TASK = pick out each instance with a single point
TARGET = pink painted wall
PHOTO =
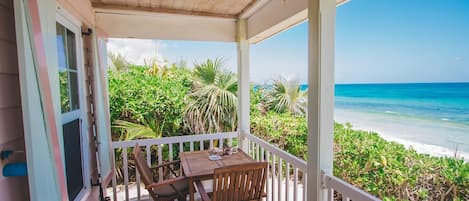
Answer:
(11, 126)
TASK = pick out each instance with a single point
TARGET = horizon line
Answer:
(358, 83)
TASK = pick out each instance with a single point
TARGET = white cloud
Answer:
(137, 50)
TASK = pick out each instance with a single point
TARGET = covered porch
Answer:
(243, 23)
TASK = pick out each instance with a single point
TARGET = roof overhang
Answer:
(265, 18)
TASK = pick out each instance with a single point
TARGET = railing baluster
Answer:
(305, 184)
(273, 177)
(201, 146)
(138, 181)
(126, 172)
(148, 150)
(114, 178)
(254, 145)
(330, 194)
(258, 154)
(191, 144)
(287, 181)
(295, 184)
(211, 143)
(181, 149)
(262, 154)
(279, 178)
(230, 142)
(268, 186)
(160, 161)
(170, 150)
(220, 143)
(251, 149)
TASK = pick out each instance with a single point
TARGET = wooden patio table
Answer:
(197, 166)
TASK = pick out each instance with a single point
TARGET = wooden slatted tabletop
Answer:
(197, 166)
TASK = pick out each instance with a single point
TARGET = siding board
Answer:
(8, 51)
(9, 91)
(11, 124)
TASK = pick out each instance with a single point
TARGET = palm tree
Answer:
(212, 102)
(286, 96)
(118, 61)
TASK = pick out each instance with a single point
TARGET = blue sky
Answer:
(377, 41)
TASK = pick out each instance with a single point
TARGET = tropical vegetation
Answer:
(211, 104)
(168, 100)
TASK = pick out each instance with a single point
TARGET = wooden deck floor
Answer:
(144, 194)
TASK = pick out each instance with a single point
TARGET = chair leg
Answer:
(153, 195)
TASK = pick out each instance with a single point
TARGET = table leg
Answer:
(191, 189)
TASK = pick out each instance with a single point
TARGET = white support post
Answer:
(321, 20)
(243, 84)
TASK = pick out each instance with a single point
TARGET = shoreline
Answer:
(392, 134)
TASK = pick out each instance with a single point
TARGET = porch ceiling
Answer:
(216, 8)
(203, 20)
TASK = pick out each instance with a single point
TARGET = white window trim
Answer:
(70, 22)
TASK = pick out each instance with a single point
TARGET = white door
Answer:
(72, 105)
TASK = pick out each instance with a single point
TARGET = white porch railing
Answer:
(285, 170)
(286, 173)
(345, 190)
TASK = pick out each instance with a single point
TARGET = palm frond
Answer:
(138, 131)
(118, 61)
(286, 96)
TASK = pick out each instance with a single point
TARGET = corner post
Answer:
(243, 84)
(321, 64)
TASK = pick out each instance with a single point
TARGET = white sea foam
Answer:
(415, 135)
(390, 112)
(427, 148)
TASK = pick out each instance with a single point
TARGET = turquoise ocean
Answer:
(430, 117)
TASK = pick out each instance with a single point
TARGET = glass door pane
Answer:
(73, 164)
(67, 60)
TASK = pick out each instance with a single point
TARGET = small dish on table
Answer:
(214, 157)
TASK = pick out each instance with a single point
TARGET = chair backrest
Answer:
(145, 172)
(240, 182)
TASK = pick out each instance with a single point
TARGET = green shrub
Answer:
(392, 172)
(139, 95)
(385, 169)
(286, 131)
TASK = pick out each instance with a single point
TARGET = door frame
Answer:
(71, 23)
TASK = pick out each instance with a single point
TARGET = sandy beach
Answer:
(422, 136)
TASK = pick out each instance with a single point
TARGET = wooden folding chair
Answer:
(244, 182)
(166, 190)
